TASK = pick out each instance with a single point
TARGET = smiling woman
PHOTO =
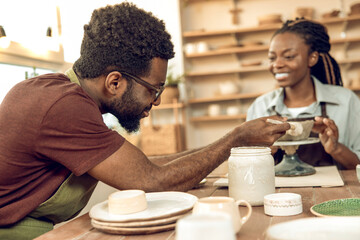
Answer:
(307, 74)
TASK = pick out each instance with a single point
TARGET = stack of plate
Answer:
(164, 209)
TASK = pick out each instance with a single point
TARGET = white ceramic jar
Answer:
(251, 174)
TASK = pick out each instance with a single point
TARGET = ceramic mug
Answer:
(226, 205)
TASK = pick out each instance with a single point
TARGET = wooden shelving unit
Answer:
(223, 61)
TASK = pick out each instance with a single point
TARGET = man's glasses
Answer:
(157, 90)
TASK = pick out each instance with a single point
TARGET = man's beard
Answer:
(127, 111)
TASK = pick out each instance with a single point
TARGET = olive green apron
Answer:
(71, 197)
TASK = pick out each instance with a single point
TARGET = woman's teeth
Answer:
(280, 76)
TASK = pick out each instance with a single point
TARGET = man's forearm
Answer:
(164, 159)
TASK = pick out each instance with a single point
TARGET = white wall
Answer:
(41, 14)
(73, 20)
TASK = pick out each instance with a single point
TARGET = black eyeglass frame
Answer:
(158, 90)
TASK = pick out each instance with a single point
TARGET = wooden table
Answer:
(81, 229)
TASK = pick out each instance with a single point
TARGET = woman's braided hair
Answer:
(315, 35)
(122, 37)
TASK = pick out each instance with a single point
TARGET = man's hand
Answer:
(328, 133)
(258, 132)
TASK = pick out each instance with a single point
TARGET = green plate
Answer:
(338, 207)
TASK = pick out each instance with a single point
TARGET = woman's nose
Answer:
(278, 63)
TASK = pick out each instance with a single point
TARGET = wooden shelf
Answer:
(203, 33)
(349, 60)
(230, 71)
(340, 19)
(270, 27)
(17, 54)
(252, 69)
(218, 118)
(224, 98)
(234, 50)
(258, 48)
(345, 40)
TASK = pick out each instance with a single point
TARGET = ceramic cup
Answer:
(190, 48)
(225, 205)
(202, 47)
(232, 110)
(358, 171)
(228, 87)
(205, 226)
(214, 110)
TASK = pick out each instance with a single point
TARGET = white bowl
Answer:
(307, 126)
(127, 201)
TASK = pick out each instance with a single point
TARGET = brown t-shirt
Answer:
(49, 127)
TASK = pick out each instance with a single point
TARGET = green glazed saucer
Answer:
(338, 207)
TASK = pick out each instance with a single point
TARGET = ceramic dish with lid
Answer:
(283, 204)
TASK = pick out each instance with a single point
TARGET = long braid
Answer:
(315, 35)
(326, 67)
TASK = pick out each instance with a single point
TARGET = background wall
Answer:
(75, 14)
(38, 15)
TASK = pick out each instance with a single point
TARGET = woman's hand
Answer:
(328, 134)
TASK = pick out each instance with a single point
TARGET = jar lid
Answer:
(250, 150)
(282, 204)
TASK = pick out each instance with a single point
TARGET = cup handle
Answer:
(249, 212)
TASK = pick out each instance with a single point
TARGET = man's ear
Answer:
(115, 83)
(313, 58)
